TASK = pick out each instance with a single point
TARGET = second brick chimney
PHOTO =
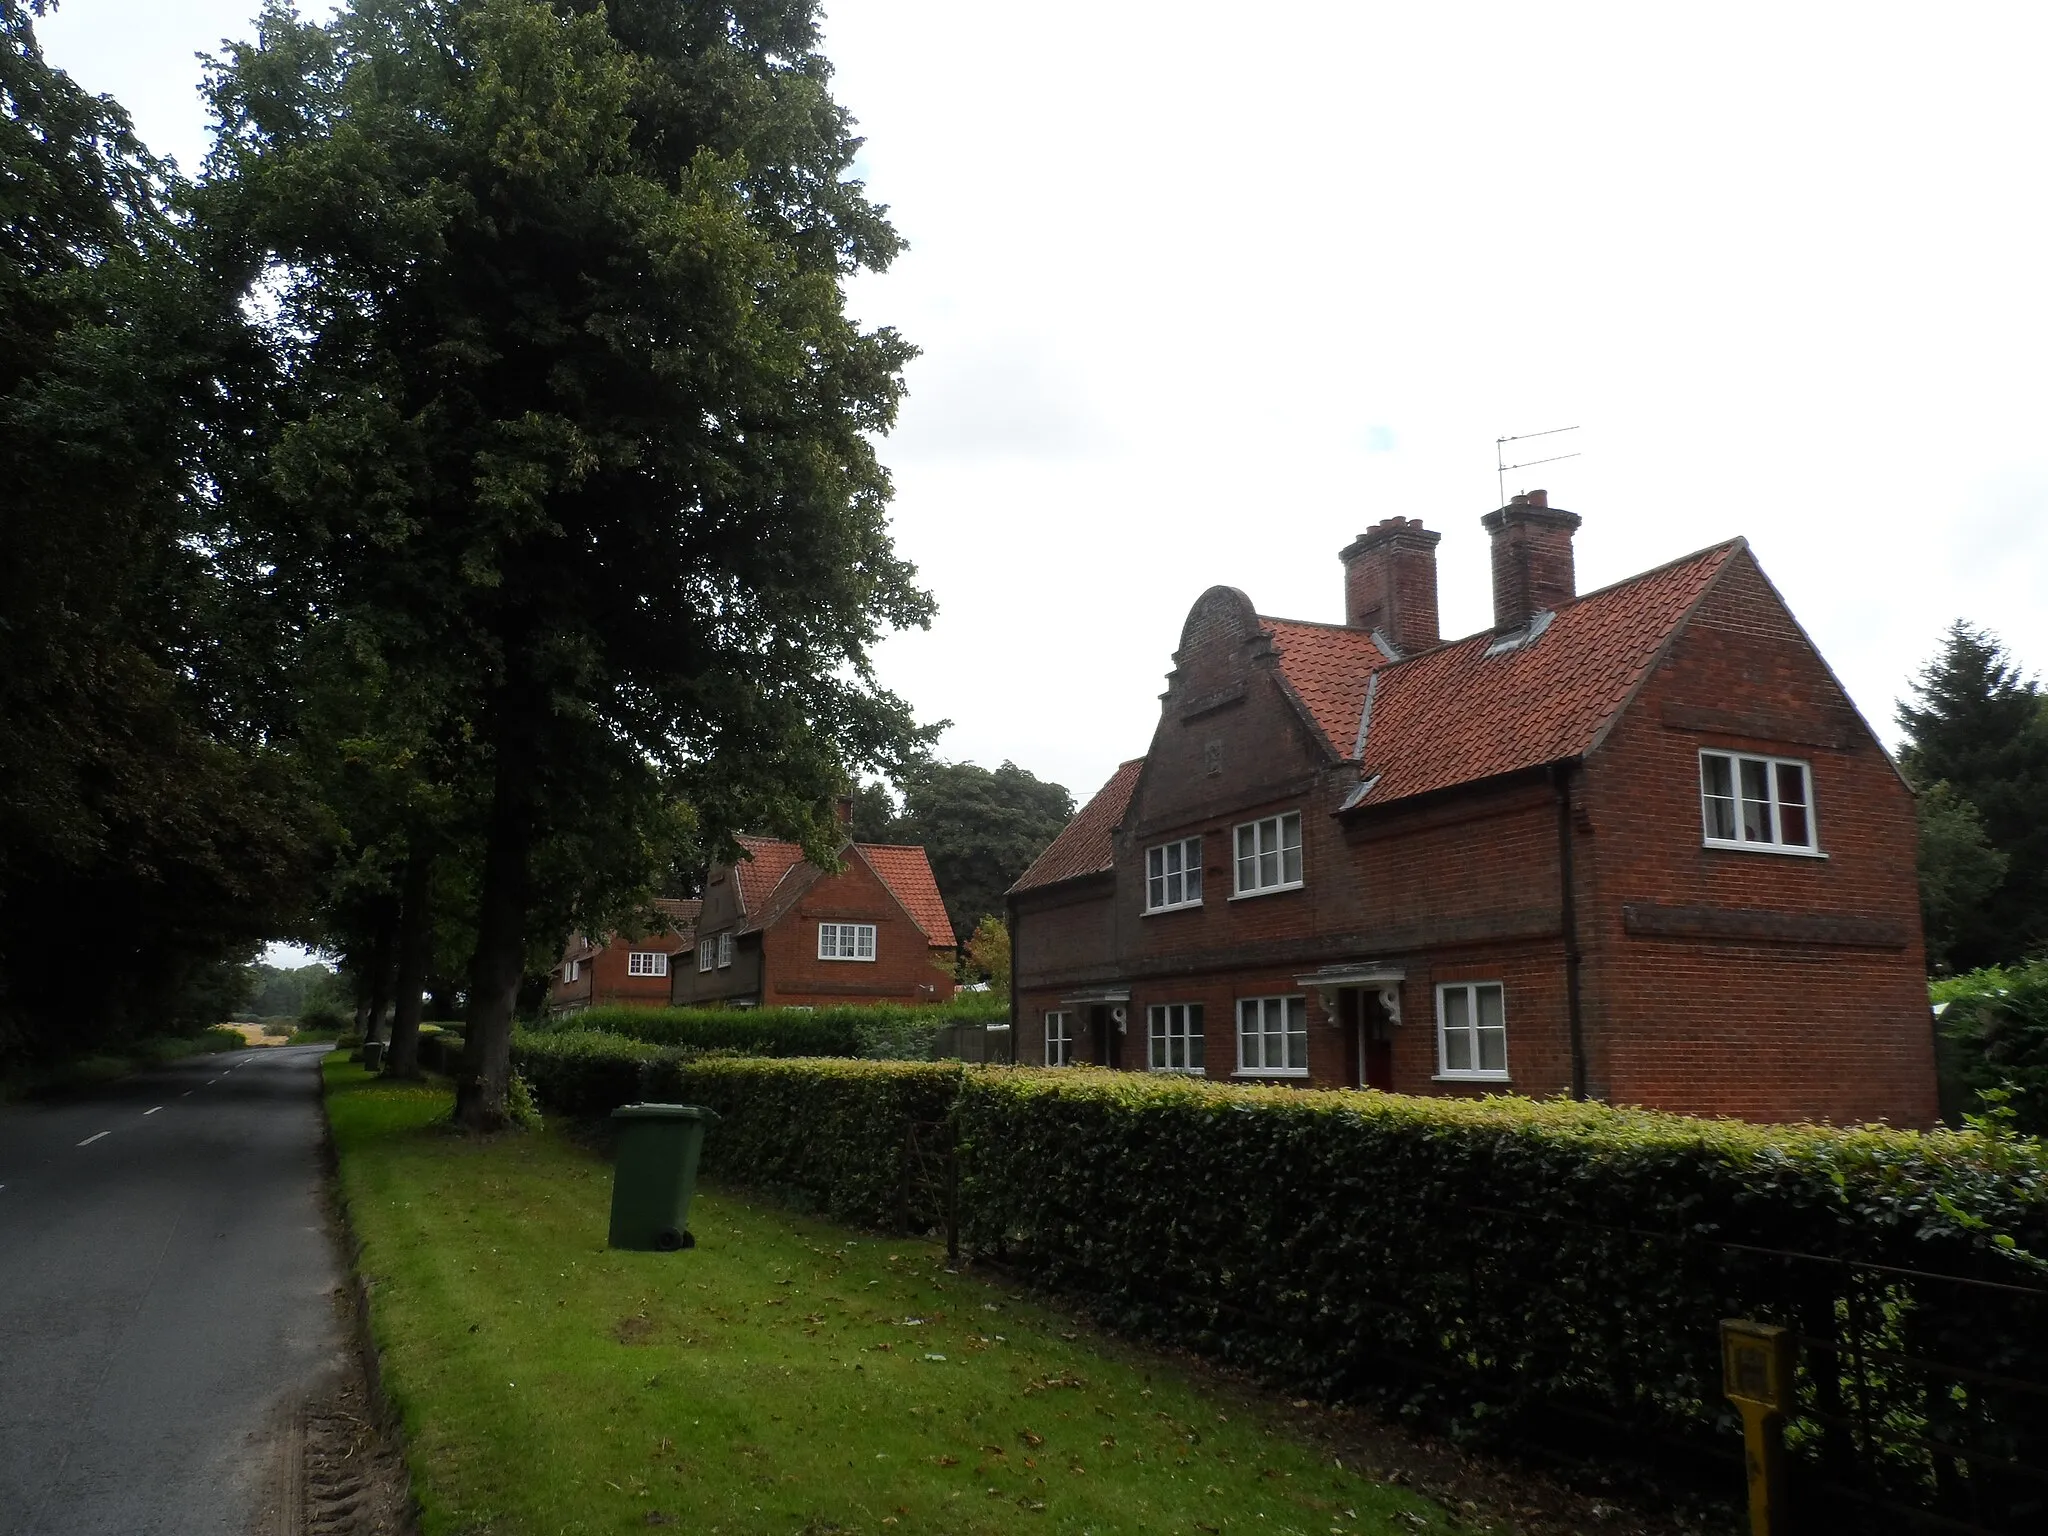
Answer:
(1390, 583)
(1532, 558)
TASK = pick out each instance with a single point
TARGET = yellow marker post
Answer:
(1756, 1376)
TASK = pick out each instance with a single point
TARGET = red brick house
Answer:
(1636, 845)
(617, 970)
(778, 931)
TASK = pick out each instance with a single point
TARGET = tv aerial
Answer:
(1501, 467)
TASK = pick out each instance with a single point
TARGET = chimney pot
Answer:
(1532, 558)
(1390, 583)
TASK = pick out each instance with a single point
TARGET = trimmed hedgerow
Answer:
(845, 1138)
(1550, 1267)
(877, 1030)
(1555, 1271)
(838, 1137)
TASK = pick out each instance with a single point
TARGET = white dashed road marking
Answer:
(152, 1111)
(94, 1137)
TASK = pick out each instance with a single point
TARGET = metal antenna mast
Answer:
(1501, 469)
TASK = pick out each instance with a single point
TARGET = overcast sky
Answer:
(1205, 290)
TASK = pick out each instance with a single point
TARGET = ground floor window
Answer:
(1176, 1037)
(1472, 1029)
(1272, 1036)
(646, 962)
(1059, 1039)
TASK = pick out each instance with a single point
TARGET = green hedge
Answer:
(1995, 1037)
(839, 1137)
(879, 1030)
(1551, 1270)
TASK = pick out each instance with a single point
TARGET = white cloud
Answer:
(1174, 266)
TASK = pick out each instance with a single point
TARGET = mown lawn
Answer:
(785, 1376)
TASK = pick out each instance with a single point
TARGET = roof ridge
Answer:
(1724, 546)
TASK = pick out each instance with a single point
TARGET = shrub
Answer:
(1996, 1025)
(323, 1020)
(1554, 1271)
(879, 1031)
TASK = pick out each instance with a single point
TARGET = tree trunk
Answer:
(500, 961)
(415, 955)
(380, 968)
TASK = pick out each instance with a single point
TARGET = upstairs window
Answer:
(646, 962)
(1272, 1036)
(1269, 854)
(846, 941)
(707, 954)
(1059, 1039)
(724, 950)
(1472, 1030)
(1756, 802)
(1175, 1037)
(571, 969)
(1173, 875)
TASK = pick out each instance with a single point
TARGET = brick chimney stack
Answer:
(1390, 583)
(1532, 558)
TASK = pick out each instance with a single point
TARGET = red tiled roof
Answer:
(1328, 666)
(758, 875)
(1455, 714)
(907, 872)
(1083, 846)
(778, 873)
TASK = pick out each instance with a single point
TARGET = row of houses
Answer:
(1635, 845)
(774, 930)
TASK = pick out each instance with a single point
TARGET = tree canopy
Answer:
(578, 437)
(981, 828)
(1977, 750)
(141, 799)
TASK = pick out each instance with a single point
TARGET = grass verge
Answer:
(785, 1376)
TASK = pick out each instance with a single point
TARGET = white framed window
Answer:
(646, 962)
(1175, 1037)
(1272, 1036)
(724, 950)
(571, 969)
(707, 954)
(1472, 1030)
(1059, 1039)
(846, 941)
(1757, 802)
(1269, 854)
(1173, 875)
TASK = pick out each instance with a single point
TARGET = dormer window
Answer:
(1173, 875)
(1763, 804)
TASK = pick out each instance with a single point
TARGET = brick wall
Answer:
(906, 969)
(1791, 1028)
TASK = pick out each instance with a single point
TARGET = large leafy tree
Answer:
(1977, 748)
(981, 827)
(580, 434)
(141, 801)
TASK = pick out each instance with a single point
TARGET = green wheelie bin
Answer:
(656, 1174)
(373, 1055)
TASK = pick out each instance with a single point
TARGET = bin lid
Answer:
(664, 1112)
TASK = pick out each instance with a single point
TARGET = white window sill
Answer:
(849, 959)
(1178, 906)
(1249, 1072)
(1777, 848)
(1179, 1071)
(1269, 890)
(1471, 1077)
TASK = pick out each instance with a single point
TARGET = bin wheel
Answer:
(669, 1240)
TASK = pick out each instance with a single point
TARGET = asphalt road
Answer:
(167, 1298)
